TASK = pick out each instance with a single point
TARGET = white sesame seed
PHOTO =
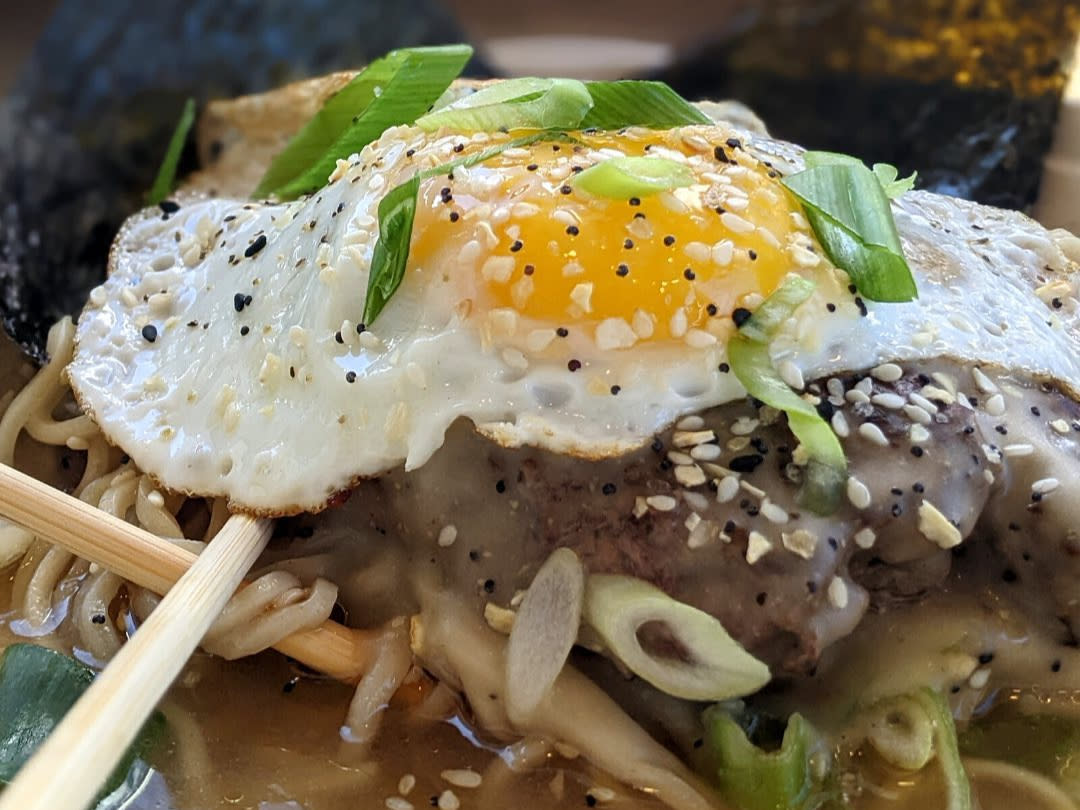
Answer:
(640, 507)
(397, 803)
(1060, 425)
(722, 252)
(582, 295)
(856, 397)
(692, 422)
(865, 385)
(735, 223)
(744, 426)
(865, 537)
(917, 414)
(614, 333)
(697, 251)
(406, 784)
(993, 455)
(679, 323)
(504, 321)
(642, 324)
(917, 434)
(677, 457)
(888, 400)
(757, 546)
(858, 493)
(539, 339)
(1044, 486)
(1018, 449)
(727, 488)
(661, 503)
(602, 794)
(923, 402)
(834, 387)
(447, 535)
(982, 382)
(887, 372)
(695, 500)
(692, 438)
(774, 513)
(693, 520)
(448, 800)
(800, 542)
(750, 489)
(792, 375)
(706, 452)
(937, 528)
(933, 392)
(979, 678)
(840, 425)
(837, 593)
(462, 777)
(995, 405)
(690, 475)
(498, 269)
(700, 339)
(988, 476)
(803, 257)
(872, 433)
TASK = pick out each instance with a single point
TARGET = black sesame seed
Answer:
(572, 230)
(733, 143)
(244, 330)
(615, 389)
(577, 169)
(863, 311)
(741, 315)
(590, 800)
(669, 240)
(985, 658)
(338, 338)
(917, 452)
(239, 302)
(500, 486)
(574, 365)
(290, 685)
(350, 376)
(1055, 666)
(634, 201)
(724, 368)
(1001, 429)
(639, 215)
(360, 329)
(834, 544)
(454, 216)
(745, 464)
(730, 527)
(628, 244)
(918, 487)
(831, 307)
(489, 586)
(657, 445)
(1035, 410)
(255, 247)
(532, 167)
(1055, 303)
(897, 510)
(752, 254)
(474, 555)
(410, 153)
(721, 155)
(608, 489)
(711, 309)
(518, 245)
(622, 270)
(689, 274)
(1009, 575)
(565, 190)
(458, 147)
(529, 270)
(761, 597)
(562, 331)
(149, 333)
(169, 206)
(98, 618)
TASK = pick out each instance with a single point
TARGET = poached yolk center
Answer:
(663, 263)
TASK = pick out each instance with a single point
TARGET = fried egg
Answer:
(225, 352)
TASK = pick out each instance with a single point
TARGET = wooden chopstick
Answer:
(156, 564)
(68, 769)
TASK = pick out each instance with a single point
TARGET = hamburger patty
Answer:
(708, 512)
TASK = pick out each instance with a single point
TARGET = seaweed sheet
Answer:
(86, 124)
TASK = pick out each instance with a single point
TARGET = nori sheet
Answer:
(86, 124)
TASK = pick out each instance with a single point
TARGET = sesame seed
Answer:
(887, 372)
(837, 593)
(622, 270)
(1044, 486)
(917, 414)
(706, 452)
(1060, 426)
(462, 777)
(888, 400)
(774, 513)
(740, 315)
(669, 240)
(872, 433)
(690, 475)
(149, 333)
(858, 493)
(1018, 449)
(935, 527)
(255, 247)
(615, 389)
(628, 244)
(840, 425)
(792, 375)
(573, 365)
(692, 422)
(757, 546)
(398, 803)
(995, 405)
(406, 784)
(448, 800)
(661, 503)
(864, 538)
(735, 223)
(800, 542)
(727, 488)
(447, 535)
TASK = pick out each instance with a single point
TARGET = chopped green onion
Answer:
(752, 778)
(957, 787)
(624, 177)
(639, 103)
(886, 173)
(390, 91)
(748, 354)
(37, 688)
(166, 176)
(849, 211)
(714, 667)
(515, 104)
(397, 210)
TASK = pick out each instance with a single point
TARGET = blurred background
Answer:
(968, 92)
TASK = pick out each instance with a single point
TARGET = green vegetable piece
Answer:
(885, 173)
(957, 787)
(166, 175)
(624, 177)
(527, 103)
(849, 211)
(639, 103)
(390, 91)
(748, 354)
(397, 211)
(754, 779)
(37, 688)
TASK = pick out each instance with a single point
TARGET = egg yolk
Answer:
(663, 263)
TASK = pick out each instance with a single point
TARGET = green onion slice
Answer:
(37, 688)
(166, 176)
(625, 177)
(526, 103)
(848, 209)
(748, 354)
(639, 103)
(397, 211)
(886, 173)
(753, 778)
(390, 91)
